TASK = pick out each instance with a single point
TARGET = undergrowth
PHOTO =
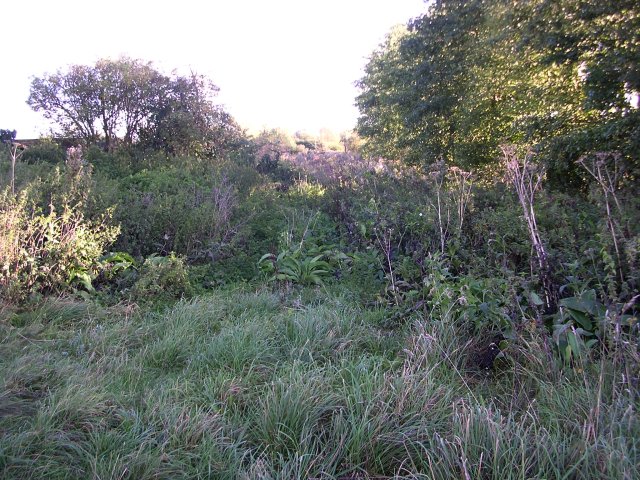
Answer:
(244, 324)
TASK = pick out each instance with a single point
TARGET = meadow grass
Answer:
(306, 384)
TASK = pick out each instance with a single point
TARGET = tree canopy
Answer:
(7, 136)
(559, 76)
(128, 101)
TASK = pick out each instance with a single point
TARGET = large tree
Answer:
(411, 93)
(382, 97)
(130, 101)
(469, 75)
(69, 99)
(98, 102)
(185, 119)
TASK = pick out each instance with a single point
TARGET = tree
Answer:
(129, 101)
(128, 92)
(271, 145)
(185, 119)
(382, 88)
(413, 86)
(559, 76)
(70, 100)
(306, 140)
(7, 136)
(599, 42)
(113, 97)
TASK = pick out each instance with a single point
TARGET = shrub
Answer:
(295, 267)
(162, 277)
(307, 254)
(44, 151)
(48, 252)
(190, 212)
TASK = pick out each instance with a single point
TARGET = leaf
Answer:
(567, 353)
(289, 272)
(572, 340)
(283, 276)
(535, 299)
(580, 333)
(290, 263)
(591, 343)
(320, 264)
(586, 303)
(574, 303)
(559, 331)
(84, 279)
(581, 319)
(117, 258)
(316, 258)
(270, 256)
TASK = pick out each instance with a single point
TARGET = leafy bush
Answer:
(71, 183)
(48, 252)
(190, 212)
(44, 151)
(162, 277)
(306, 252)
(496, 237)
(116, 262)
(295, 267)
(578, 324)
(118, 273)
(583, 322)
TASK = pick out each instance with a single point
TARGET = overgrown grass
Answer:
(304, 384)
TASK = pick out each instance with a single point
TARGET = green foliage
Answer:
(294, 267)
(131, 99)
(583, 322)
(469, 76)
(478, 304)
(162, 278)
(238, 383)
(306, 252)
(48, 252)
(117, 262)
(191, 212)
(578, 324)
(185, 121)
(499, 243)
(424, 275)
(116, 267)
(44, 151)
(270, 146)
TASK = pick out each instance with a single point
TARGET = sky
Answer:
(288, 64)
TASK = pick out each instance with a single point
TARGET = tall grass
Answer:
(243, 384)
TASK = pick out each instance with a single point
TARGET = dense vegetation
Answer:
(559, 77)
(182, 300)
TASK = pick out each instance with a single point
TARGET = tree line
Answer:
(558, 76)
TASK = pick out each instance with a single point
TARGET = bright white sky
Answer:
(279, 63)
